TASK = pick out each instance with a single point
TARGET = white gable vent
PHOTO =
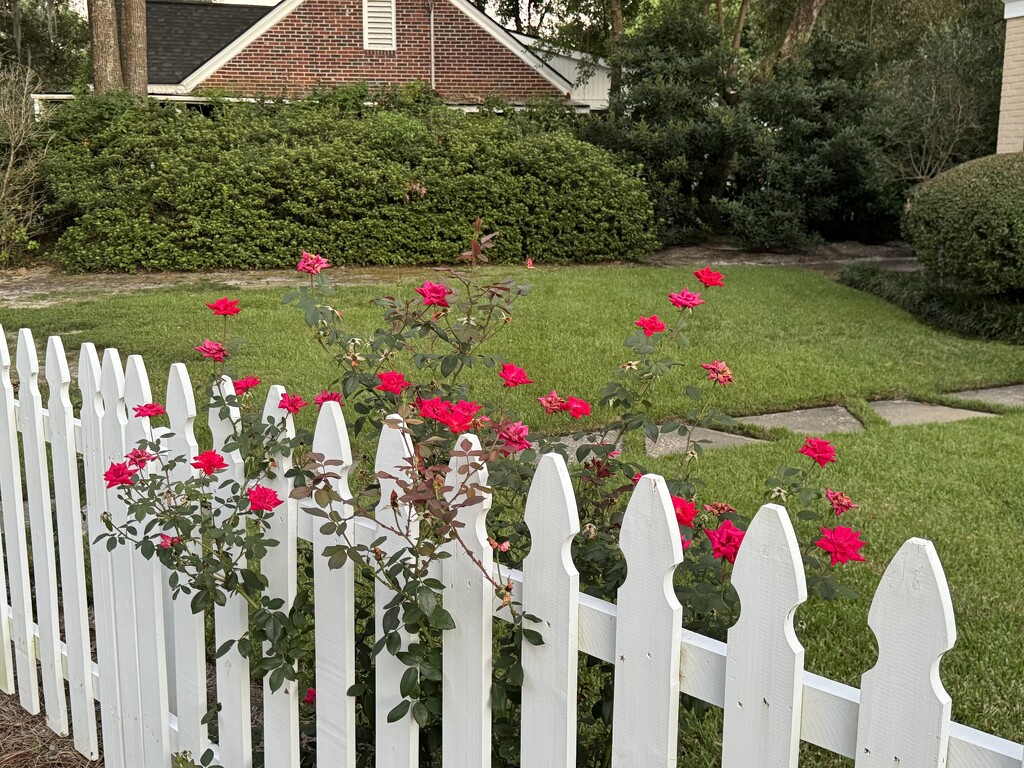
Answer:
(379, 25)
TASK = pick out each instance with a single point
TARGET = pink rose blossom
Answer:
(139, 458)
(244, 385)
(166, 542)
(312, 263)
(513, 437)
(212, 350)
(685, 299)
(840, 501)
(718, 372)
(392, 381)
(434, 294)
(225, 307)
(326, 397)
(209, 462)
(504, 546)
(513, 375)
(650, 325)
(821, 451)
(148, 410)
(292, 403)
(552, 403)
(263, 499)
(119, 474)
(842, 543)
(310, 697)
(726, 540)
(529, 263)
(709, 278)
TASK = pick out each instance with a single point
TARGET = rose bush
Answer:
(210, 532)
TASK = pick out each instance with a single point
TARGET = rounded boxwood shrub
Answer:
(396, 182)
(967, 226)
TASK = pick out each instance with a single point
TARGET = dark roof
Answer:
(182, 36)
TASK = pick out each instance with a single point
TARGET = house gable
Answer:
(304, 44)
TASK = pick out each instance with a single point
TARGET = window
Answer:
(379, 25)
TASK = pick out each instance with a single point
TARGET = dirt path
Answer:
(46, 285)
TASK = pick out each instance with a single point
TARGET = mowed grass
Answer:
(793, 339)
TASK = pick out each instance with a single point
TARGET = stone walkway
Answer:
(836, 419)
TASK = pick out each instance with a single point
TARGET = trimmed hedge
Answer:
(967, 227)
(965, 314)
(399, 182)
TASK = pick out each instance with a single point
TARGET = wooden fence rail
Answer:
(150, 665)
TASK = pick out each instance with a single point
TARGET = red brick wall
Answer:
(320, 43)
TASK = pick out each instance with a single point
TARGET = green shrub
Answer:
(399, 182)
(967, 226)
(984, 317)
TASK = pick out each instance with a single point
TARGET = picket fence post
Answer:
(904, 710)
(40, 514)
(764, 668)
(648, 628)
(231, 620)
(551, 592)
(397, 743)
(100, 558)
(280, 565)
(16, 541)
(467, 658)
(189, 636)
(334, 598)
(71, 541)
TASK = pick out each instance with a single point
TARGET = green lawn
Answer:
(793, 338)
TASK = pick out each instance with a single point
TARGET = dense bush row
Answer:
(144, 186)
(967, 227)
(966, 313)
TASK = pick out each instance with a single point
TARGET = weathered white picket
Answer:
(150, 668)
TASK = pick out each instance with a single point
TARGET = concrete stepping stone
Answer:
(1012, 396)
(906, 412)
(809, 421)
(674, 443)
(572, 444)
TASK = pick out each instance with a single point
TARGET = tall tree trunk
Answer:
(802, 25)
(618, 27)
(133, 46)
(106, 53)
(16, 28)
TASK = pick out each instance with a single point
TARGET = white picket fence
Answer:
(150, 668)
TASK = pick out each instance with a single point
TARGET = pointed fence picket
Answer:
(763, 683)
(649, 623)
(16, 540)
(70, 541)
(231, 620)
(397, 743)
(901, 716)
(334, 598)
(551, 592)
(280, 566)
(40, 513)
(148, 592)
(904, 710)
(467, 661)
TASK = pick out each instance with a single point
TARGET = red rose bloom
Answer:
(650, 325)
(685, 509)
(147, 410)
(718, 372)
(709, 278)
(312, 263)
(225, 307)
(685, 299)
(552, 403)
(726, 540)
(577, 407)
(212, 350)
(310, 697)
(244, 385)
(392, 381)
(840, 501)
(434, 294)
(821, 451)
(292, 403)
(513, 375)
(513, 437)
(166, 542)
(119, 474)
(326, 397)
(263, 499)
(209, 462)
(842, 543)
(139, 458)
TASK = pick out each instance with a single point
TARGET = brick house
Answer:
(287, 48)
(1011, 104)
